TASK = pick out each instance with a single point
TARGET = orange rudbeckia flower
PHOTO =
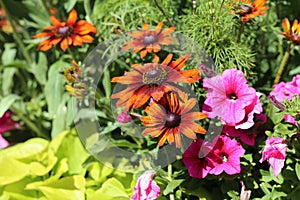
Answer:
(169, 117)
(248, 9)
(148, 41)
(153, 80)
(291, 33)
(68, 33)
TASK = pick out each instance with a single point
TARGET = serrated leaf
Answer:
(6, 102)
(40, 69)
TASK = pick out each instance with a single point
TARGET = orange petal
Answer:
(77, 41)
(43, 34)
(177, 140)
(167, 59)
(72, 18)
(193, 116)
(143, 53)
(180, 62)
(87, 38)
(192, 75)
(145, 27)
(64, 45)
(159, 27)
(286, 26)
(55, 21)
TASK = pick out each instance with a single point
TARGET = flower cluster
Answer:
(152, 88)
(222, 154)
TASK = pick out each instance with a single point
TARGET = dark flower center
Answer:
(224, 157)
(232, 96)
(172, 120)
(246, 9)
(63, 30)
(149, 39)
(155, 76)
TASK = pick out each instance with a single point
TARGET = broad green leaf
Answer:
(72, 149)
(56, 142)
(297, 167)
(69, 5)
(110, 190)
(40, 69)
(12, 170)
(54, 88)
(59, 121)
(172, 185)
(17, 190)
(7, 84)
(6, 102)
(26, 151)
(66, 188)
(9, 53)
(71, 111)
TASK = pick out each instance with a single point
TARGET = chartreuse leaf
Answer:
(6, 102)
(72, 149)
(111, 189)
(17, 190)
(66, 188)
(12, 170)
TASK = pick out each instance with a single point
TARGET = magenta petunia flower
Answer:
(227, 154)
(7, 124)
(274, 152)
(197, 160)
(290, 119)
(146, 188)
(230, 98)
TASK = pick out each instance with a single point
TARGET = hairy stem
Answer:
(282, 64)
(172, 197)
(163, 12)
(240, 32)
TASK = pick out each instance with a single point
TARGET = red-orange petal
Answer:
(64, 44)
(55, 21)
(72, 18)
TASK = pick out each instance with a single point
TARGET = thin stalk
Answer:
(30, 124)
(172, 197)
(221, 7)
(16, 34)
(72, 54)
(282, 64)
(163, 12)
(240, 32)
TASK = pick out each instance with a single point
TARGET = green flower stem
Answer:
(240, 32)
(30, 124)
(221, 6)
(163, 12)
(72, 54)
(16, 34)
(282, 64)
(172, 197)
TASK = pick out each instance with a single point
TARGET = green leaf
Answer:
(8, 76)
(40, 69)
(172, 185)
(69, 5)
(54, 88)
(9, 53)
(111, 189)
(106, 83)
(66, 188)
(6, 102)
(298, 170)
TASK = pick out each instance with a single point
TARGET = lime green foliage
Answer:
(39, 169)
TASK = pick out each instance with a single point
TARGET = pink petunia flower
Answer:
(286, 90)
(146, 188)
(7, 124)
(274, 152)
(230, 98)
(227, 156)
(197, 160)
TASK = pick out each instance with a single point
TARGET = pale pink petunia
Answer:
(230, 98)
(7, 124)
(227, 153)
(274, 152)
(197, 160)
(146, 188)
